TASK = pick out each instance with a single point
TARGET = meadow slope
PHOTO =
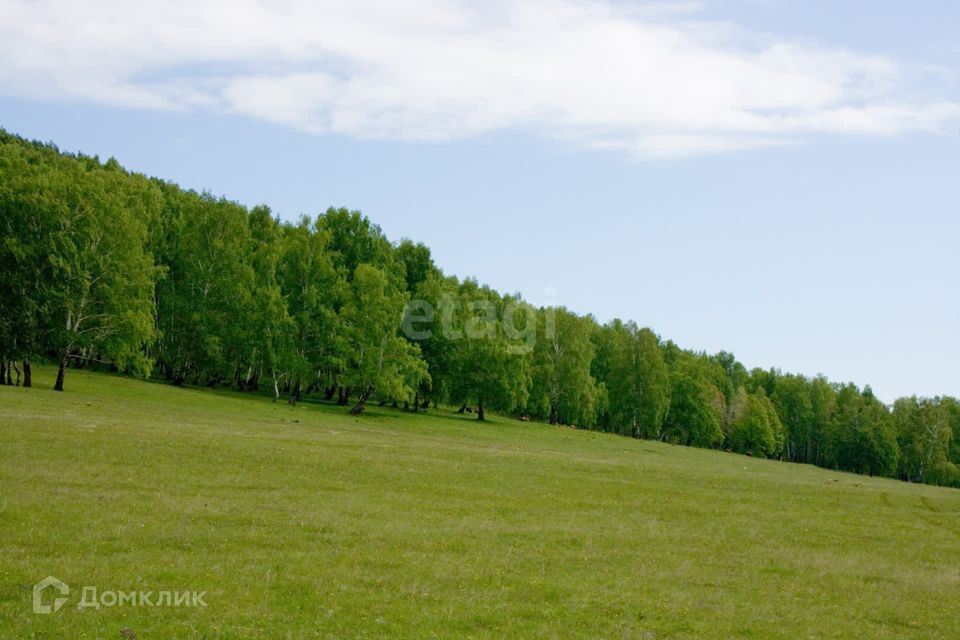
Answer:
(307, 523)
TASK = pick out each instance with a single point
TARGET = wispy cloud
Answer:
(648, 78)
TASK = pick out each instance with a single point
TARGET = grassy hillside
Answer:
(306, 523)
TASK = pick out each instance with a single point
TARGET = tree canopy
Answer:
(101, 267)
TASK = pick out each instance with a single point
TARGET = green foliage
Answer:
(271, 338)
(313, 290)
(793, 398)
(925, 434)
(417, 262)
(206, 300)
(562, 390)
(861, 437)
(696, 405)
(488, 365)
(378, 359)
(104, 267)
(75, 233)
(756, 429)
(354, 240)
(630, 364)
(27, 226)
(422, 325)
(952, 408)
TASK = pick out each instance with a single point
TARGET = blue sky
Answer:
(769, 177)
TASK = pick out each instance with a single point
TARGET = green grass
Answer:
(306, 523)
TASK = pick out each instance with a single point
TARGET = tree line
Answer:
(101, 267)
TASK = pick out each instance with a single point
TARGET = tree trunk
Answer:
(426, 404)
(328, 394)
(361, 402)
(276, 386)
(416, 402)
(27, 373)
(463, 408)
(58, 386)
(3, 370)
(13, 365)
(554, 418)
(480, 415)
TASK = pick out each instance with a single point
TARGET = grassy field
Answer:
(306, 523)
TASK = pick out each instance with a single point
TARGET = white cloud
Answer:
(644, 77)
